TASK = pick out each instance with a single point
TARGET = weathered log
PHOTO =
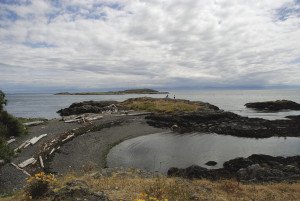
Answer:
(33, 123)
(24, 171)
(68, 137)
(27, 162)
(10, 141)
(41, 162)
(36, 139)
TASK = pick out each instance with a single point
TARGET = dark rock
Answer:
(293, 117)
(256, 168)
(237, 163)
(274, 105)
(211, 163)
(226, 123)
(87, 107)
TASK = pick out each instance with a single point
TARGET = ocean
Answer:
(45, 105)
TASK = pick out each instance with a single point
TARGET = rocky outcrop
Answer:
(88, 107)
(273, 106)
(226, 123)
(256, 168)
(211, 163)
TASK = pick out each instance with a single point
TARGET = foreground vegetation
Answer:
(132, 186)
(9, 127)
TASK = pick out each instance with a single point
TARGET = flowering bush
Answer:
(39, 184)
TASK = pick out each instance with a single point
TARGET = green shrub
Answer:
(2, 100)
(5, 152)
(9, 126)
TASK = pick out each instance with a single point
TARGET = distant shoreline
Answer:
(124, 92)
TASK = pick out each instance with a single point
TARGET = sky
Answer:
(111, 44)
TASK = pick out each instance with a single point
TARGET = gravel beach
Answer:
(84, 150)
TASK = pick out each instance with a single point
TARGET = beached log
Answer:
(24, 171)
(27, 162)
(2, 162)
(68, 137)
(92, 118)
(11, 140)
(26, 143)
(41, 162)
(33, 123)
(51, 152)
(72, 120)
(139, 114)
(36, 139)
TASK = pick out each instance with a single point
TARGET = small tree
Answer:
(2, 100)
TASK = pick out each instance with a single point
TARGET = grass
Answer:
(131, 186)
(161, 105)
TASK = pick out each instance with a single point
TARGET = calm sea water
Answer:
(46, 105)
(160, 151)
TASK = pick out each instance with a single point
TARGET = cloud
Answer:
(153, 43)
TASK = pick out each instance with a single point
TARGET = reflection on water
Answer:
(159, 152)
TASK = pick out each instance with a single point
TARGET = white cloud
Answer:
(133, 43)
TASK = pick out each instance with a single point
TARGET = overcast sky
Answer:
(101, 44)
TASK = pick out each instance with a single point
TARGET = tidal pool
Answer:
(160, 151)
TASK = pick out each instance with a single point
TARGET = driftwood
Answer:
(68, 137)
(41, 162)
(11, 140)
(2, 162)
(139, 114)
(33, 123)
(24, 171)
(81, 118)
(27, 162)
(32, 141)
(51, 152)
(22, 145)
(36, 139)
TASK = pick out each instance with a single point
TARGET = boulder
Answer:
(274, 106)
(211, 163)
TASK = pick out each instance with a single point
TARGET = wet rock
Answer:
(226, 123)
(274, 105)
(256, 168)
(211, 163)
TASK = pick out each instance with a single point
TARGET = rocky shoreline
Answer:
(255, 168)
(226, 123)
(62, 149)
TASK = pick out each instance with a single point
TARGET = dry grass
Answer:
(130, 186)
(161, 105)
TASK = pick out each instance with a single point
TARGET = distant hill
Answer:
(128, 91)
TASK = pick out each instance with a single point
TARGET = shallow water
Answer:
(160, 151)
(46, 105)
